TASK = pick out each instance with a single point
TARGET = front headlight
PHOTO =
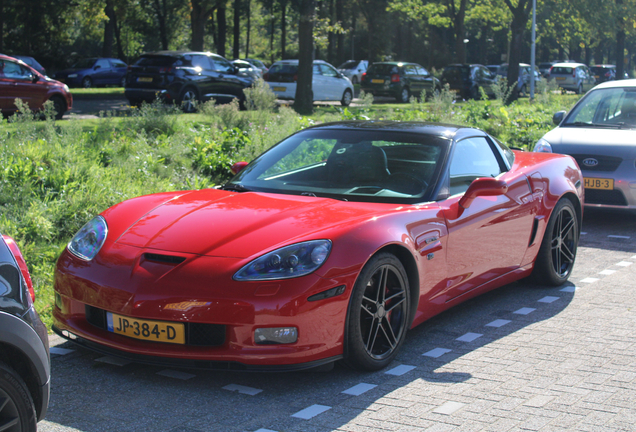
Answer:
(289, 262)
(542, 146)
(89, 239)
(72, 76)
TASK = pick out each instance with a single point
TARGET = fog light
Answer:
(277, 335)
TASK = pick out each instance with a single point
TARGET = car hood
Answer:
(229, 224)
(593, 141)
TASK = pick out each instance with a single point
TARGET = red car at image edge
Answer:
(327, 247)
(20, 81)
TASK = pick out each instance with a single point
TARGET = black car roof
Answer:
(424, 128)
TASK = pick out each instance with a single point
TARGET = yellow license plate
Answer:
(377, 81)
(597, 76)
(599, 183)
(144, 79)
(281, 89)
(560, 78)
(156, 331)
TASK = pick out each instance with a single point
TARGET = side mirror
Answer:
(34, 78)
(558, 116)
(238, 167)
(484, 186)
(97, 67)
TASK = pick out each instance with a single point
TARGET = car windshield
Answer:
(349, 64)
(284, 69)
(383, 69)
(151, 60)
(609, 108)
(352, 165)
(85, 63)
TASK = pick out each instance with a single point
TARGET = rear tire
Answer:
(378, 315)
(188, 100)
(87, 82)
(404, 95)
(17, 411)
(556, 256)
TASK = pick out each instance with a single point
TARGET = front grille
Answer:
(198, 334)
(605, 197)
(605, 163)
(168, 259)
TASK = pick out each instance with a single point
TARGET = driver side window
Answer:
(472, 158)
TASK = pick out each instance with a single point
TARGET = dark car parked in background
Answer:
(18, 80)
(467, 79)
(604, 72)
(523, 82)
(93, 72)
(186, 78)
(24, 346)
(399, 80)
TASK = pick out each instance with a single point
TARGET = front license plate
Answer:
(156, 331)
(599, 183)
(377, 81)
(280, 89)
(144, 79)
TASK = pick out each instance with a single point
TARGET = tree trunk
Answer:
(237, 29)
(120, 48)
(304, 99)
(1, 25)
(200, 11)
(249, 24)
(340, 55)
(222, 22)
(331, 36)
(283, 29)
(272, 31)
(161, 12)
(109, 29)
(620, 54)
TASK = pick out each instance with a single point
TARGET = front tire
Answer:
(87, 82)
(347, 97)
(555, 259)
(59, 106)
(378, 316)
(17, 411)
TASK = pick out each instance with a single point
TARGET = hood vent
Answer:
(167, 259)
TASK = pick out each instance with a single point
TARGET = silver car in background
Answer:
(354, 69)
(572, 76)
(600, 133)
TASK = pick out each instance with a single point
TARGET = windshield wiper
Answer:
(235, 187)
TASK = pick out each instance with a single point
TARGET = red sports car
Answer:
(329, 246)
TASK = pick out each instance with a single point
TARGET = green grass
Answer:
(97, 92)
(55, 176)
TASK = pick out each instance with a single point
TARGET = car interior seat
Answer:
(357, 165)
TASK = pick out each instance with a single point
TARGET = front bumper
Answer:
(238, 307)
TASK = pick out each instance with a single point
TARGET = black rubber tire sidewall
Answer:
(543, 271)
(400, 98)
(182, 95)
(343, 101)
(14, 386)
(357, 357)
(60, 107)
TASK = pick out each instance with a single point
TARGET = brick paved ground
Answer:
(521, 358)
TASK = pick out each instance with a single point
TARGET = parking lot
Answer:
(523, 357)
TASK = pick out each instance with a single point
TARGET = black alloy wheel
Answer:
(188, 100)
(347, 97)
(556, 257)
(404, 95)
(17, 412)
(378, 313)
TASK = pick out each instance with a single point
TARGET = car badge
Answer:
(590, 162)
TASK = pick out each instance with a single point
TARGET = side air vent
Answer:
(168, 259)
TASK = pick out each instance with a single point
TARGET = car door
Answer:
(226, 82)
(412, 79)
(491, 236)
(102, 72)
(334, 82)
(486, 80)
(428, 82)
(16, 81)
(318, 84)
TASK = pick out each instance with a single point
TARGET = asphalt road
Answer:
(520, 358)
